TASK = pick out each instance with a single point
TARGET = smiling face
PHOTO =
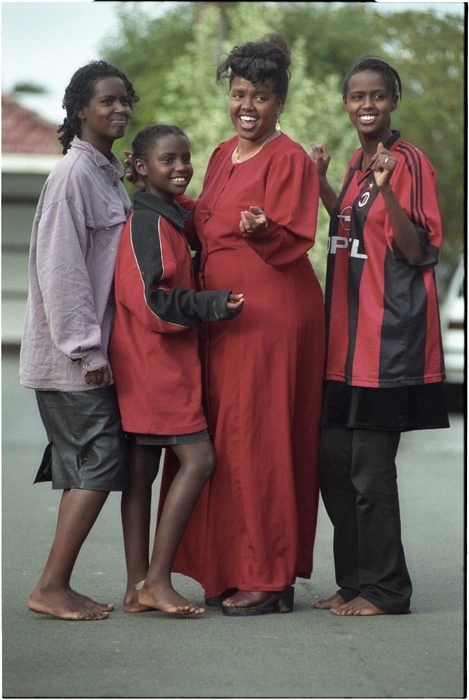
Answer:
(369, 104)
(167, 169)
(254, 108)
(106, 116)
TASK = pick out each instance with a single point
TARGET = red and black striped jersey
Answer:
(382, 313)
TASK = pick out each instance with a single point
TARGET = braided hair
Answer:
(378, 66)
(146, 138)
(259, 61)
(79, 93)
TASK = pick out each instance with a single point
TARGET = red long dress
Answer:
(254, 525)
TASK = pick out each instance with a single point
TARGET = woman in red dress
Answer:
(253, 529)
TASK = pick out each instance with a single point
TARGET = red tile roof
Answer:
(24, 131)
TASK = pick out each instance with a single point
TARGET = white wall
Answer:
(22, 179)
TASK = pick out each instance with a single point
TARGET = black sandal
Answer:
(281, 602)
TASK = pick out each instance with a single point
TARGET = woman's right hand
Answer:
(130, 173)
(321, 157)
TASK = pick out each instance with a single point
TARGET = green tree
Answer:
(31, 88)
(429, 54)
(335, 33)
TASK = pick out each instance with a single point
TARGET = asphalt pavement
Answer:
(306, 654)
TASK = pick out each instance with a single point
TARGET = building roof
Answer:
(24, 131)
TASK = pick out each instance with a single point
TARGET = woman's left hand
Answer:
(252, 221)
(383, 163)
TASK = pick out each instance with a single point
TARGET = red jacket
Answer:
(154, 345)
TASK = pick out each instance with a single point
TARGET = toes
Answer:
(95, 615)
(196, 610)
(106, 607)
(76, 616)
(99, 607)
(91, 614)
(190, 609)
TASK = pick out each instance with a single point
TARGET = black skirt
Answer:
(167, 440)
(403, 408)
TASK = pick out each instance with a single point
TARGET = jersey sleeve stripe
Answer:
(414, 165)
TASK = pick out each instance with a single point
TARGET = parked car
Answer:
(453, 314)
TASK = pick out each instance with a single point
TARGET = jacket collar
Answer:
(174, 212)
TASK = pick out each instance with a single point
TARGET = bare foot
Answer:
(327, 603)
(90, 603)
(248, 599)
(131, 604)
(165, 598)
(357, 606)
(63, 605)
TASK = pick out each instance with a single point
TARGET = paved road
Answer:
(308, 654)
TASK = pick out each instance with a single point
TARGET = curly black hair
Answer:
(379, 66)
(79, 93)
(146, 138)
(259, 61)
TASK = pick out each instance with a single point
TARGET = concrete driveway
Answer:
(308, 654)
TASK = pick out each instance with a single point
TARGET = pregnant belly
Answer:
(224, 271)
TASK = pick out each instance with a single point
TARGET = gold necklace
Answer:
(271, 136)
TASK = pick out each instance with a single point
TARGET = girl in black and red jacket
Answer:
(155, 361)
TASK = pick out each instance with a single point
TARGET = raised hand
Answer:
(321, 157)
(252, 221)
(383, 163)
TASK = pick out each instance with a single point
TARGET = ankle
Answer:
(50, 587)
(158, 581)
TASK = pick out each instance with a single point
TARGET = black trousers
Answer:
(359, 489)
